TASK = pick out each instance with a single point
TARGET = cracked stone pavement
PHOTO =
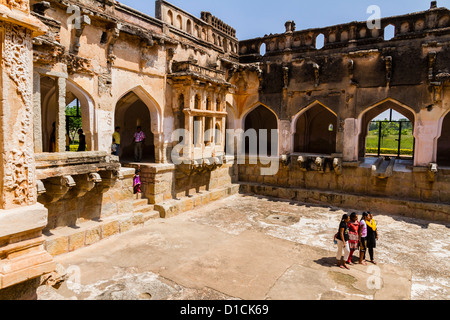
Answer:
(255, 248)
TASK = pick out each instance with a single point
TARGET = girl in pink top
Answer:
(363, 239)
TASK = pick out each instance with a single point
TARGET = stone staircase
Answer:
(86, 233)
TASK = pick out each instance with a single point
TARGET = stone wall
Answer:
(416, 192)
(94, 205)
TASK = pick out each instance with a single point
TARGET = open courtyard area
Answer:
(255, 248)
(199, 150)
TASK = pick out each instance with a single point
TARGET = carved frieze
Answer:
(22, 5)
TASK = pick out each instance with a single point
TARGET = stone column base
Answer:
(22, 253)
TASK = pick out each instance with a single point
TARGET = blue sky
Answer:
(253, 19)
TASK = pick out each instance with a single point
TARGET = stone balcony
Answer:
(181, 69)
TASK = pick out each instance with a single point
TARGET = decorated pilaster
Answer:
(22, 254)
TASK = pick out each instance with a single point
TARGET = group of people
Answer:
(353, 235)
(138, 141)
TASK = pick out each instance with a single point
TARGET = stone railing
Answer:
(189, 67)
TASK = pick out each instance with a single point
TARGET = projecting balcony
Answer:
(182, 69)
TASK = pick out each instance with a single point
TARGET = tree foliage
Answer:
(73, 122)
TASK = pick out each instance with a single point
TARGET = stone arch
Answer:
(314, 129)
(137, 108)
(209, 104)
(253, 107)
(263, 49)
(376, 109)
(320, 41)
(389, 32)
(443, 140)
(179, 22)
(153, 107)
(88, 114)
(189, 27)
(260, 117)
(170, 17)
(49, 107)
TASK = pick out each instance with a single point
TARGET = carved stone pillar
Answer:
(61, 115)
(426, 135)
(284, 137)
(37, 112)
(22, 255)
(350, 143)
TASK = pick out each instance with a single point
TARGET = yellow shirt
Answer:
(372, 224)
(116, 137)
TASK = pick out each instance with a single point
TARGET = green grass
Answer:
(389, 145)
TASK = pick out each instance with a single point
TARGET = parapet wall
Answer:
(207, 29)
(349, 35)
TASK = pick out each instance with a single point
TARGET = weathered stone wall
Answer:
(95, 205)
(356, 72)
(409, 187)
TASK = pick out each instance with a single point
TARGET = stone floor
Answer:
(254, 248)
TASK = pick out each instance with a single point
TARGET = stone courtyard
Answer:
(231, 125)
(252, 247)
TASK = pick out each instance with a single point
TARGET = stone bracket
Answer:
(381, 170)
(320, 164)
(432, 172)
(200, 166)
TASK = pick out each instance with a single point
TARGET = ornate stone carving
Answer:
(19, 176)
(22, 5)
(17, 59)
(19, 165)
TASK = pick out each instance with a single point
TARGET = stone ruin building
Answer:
(178, 71)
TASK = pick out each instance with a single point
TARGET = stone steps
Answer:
(86, 233)
(175, 207)
(382, 205)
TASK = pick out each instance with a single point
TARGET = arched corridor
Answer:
(443, 148)
(263, 121)
(315, 131)
(131, 113)
(78, 112)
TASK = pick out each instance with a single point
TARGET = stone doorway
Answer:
(316, 131)
(261, 119)
(132, 112)
(443, 148)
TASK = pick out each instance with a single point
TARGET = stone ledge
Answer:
(69, 239)
(22, 219)
(415, 209)
(151, 168)
(175, 207)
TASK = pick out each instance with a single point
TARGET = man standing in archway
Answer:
(139, 139)
(116, 142)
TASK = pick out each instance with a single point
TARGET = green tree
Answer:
(73, 121)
